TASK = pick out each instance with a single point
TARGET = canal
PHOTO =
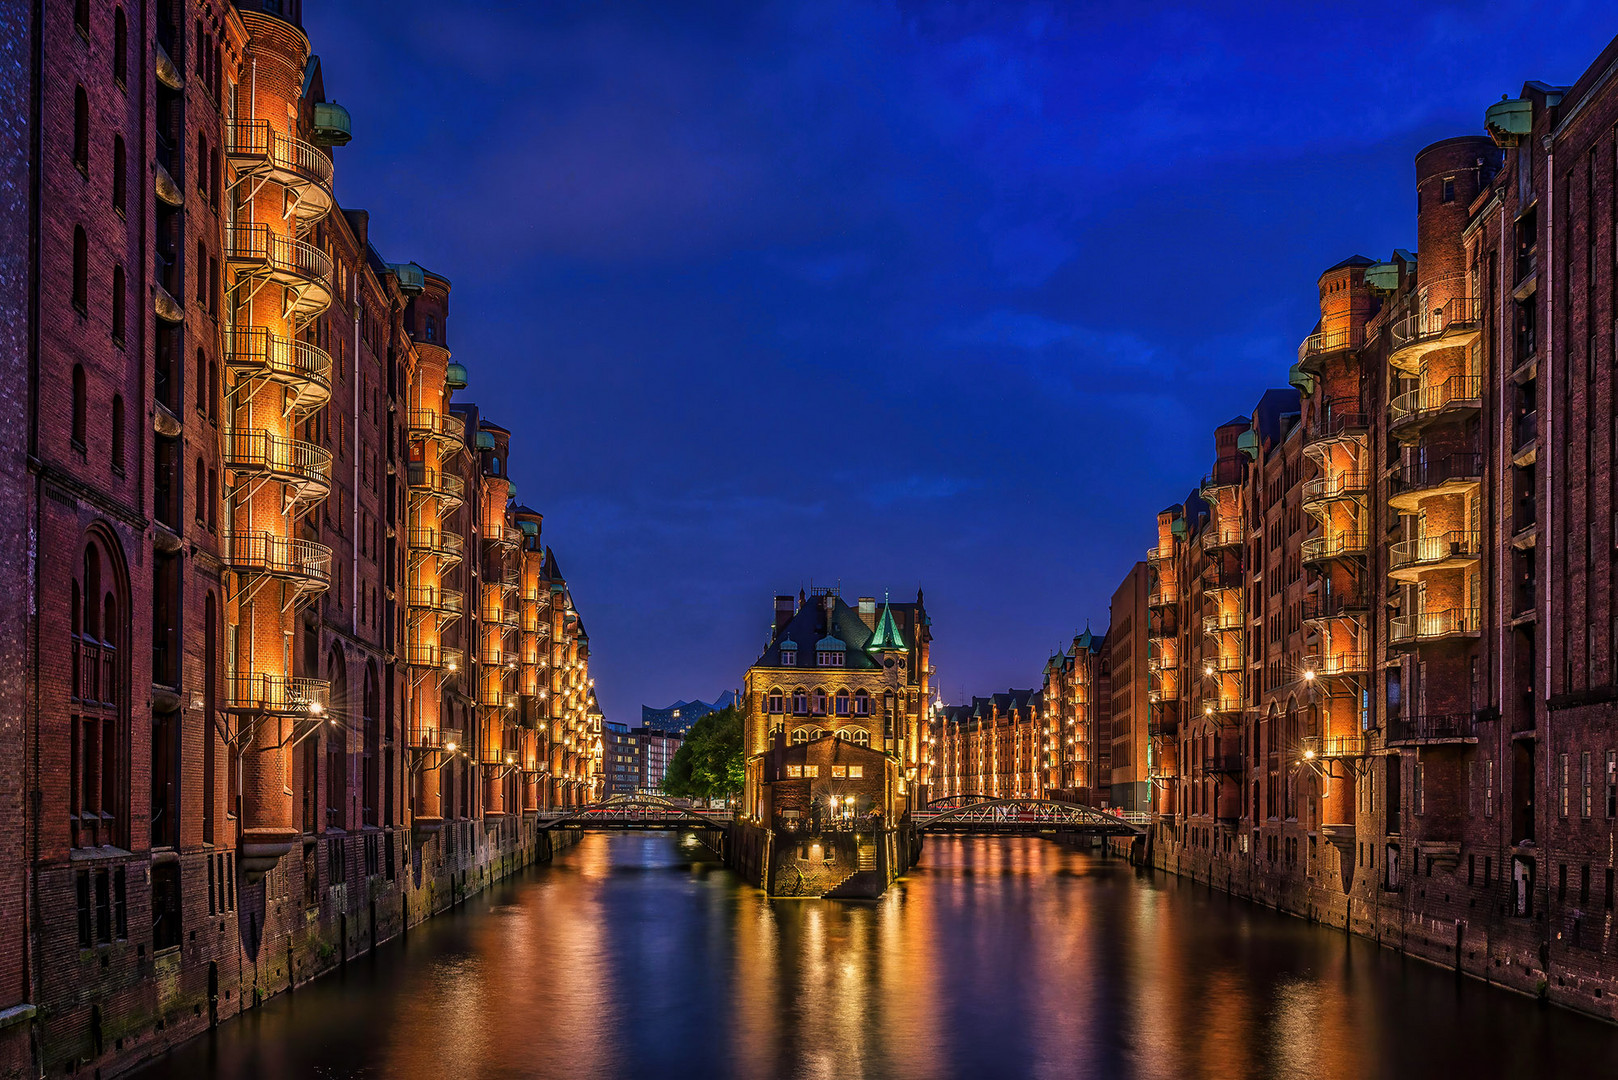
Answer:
(634, 955)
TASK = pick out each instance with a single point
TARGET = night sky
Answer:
(887, 295)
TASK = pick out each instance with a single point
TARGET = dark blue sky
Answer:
(948, 295)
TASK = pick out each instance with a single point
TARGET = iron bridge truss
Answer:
(634, 812)
(987, 815)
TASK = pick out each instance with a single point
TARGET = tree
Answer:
(709, 763)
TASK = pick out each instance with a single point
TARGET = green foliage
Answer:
(709, 763)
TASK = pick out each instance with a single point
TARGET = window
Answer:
(794, 772)
(819, 702)
(801, 735)
(1562, 802)
(862, 738)
(81, 270)
(120, 47)
(862, 703)
(800, 703)
(855, 772)
(1612, 784)
(202, 279)
(372, 755)
(842, 702)
(789, 658)
(118, 303)
(839, 772)
(97, 646)
(79, 406)
(202, 163)
(829, 658)
(165, 906)
(81, 18)
(120, 173)
(1448, 191)
(431, 328)
(81, 130)
(1587, 802)
(774, 703)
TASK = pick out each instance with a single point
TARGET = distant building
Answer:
(622, 753)
(1144, 679)
(682, 714)
(654, 750)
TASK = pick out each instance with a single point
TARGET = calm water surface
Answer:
(634, 956)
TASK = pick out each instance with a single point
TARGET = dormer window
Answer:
(829, 659)
(789, 658)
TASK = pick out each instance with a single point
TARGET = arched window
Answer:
(81, 270)
(774, 703)
(118, 432)
(800, 702)
(120, 173)
(98, 733)
(213, 499)
(842, 733)
(801, 735)
(819, 701)
(842, 703)
(862, 737)
(120, 46)
(202, 380)
(81, 17)
(202, 161)
(80, 408)
(213, 391)
(118, 303)
(81, 130)
(862, 703)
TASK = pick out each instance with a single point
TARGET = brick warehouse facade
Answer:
(288, 667)
(1384, 640)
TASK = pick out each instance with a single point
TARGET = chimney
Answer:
(868, 612)
(784, 610)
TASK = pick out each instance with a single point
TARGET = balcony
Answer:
(1343, 545)
(302, 466)
(1431, 626)
(1342, 604)
(1337, 424)
(445, 428)
(1338, 664)
(439, 601)
(259, 253)
(1222, 664)
(258, 151)
(1222, 708)
(1452, 474)
(510, 577)
(1229, 764)
(1433, 729)
(1157, 555)
(1221, 623)
(503, 617)
(447, 545)
(1316, 348)
(275, 695)
(1450, 325)
(433, 656)
(429, 483)
(1225, 536)
(1227, 473)
(1409, 559)
(1346, 484)
(1162, 594)
(252, 352)
(1332, 747)
(303, 564)
(426, 736)
(1456, 398)
(502, 536)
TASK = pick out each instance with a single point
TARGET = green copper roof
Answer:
(830, 644)
(887, 634)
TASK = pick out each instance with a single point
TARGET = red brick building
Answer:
(1389, 609)
(289, 665)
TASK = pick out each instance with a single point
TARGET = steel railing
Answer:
(255, 450)
(1333, 746)
(287, 360)
(280, 556)
(444, 601)
(1341, 545)
(1428, 625)
(1433, 727)
(277, 253)
(1330, 341)
(1427, 401)
(1336, 485)
(1427, 324)
(256, 139)
(280, 694)
(1457, 543)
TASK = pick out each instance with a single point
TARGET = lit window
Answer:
(794, 772)
(811, 770)
(800, 736)
(839, 772)
(862, 738)
(856, 772)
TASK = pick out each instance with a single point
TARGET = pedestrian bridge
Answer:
(634, 812)
(985, 815)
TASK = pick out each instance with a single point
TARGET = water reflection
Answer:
(633, 956)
